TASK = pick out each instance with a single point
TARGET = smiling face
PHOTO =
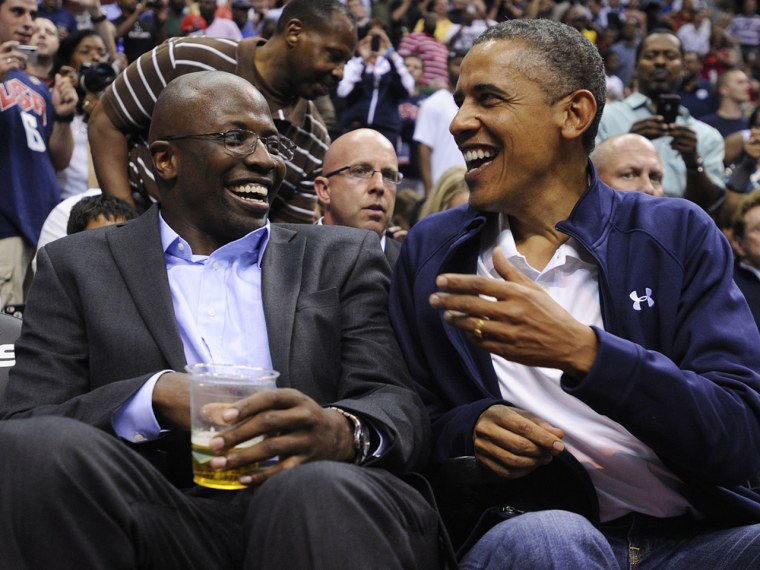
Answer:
(358, 202)
(508, 131)
(660, 67)
(17, 20)
(209, 195)
(317, 56)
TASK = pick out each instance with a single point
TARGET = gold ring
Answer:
(478, 331)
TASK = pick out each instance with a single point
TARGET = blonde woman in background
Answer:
(449, 192)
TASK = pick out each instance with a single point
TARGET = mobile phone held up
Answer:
(375, 43)
(667, 107)
(29, 51)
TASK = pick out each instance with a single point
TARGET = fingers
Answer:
(508, 271)
(10, 60)
(294, 435)
(518, 431)
(513, 442)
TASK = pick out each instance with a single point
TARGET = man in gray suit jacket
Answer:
(96, 471)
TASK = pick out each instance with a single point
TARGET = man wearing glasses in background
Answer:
(114, 315)
(358, 187)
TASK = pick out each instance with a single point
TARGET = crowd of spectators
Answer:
(103, 115)
(408, 52)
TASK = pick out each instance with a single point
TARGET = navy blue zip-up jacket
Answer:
(682, 375)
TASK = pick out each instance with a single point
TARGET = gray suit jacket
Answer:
(392, 250)
(99, 321)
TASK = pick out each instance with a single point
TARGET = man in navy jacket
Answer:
(587, 346)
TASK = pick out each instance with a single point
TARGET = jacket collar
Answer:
(588, 222)
(137, 252)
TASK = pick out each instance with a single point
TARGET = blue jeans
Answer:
(560, 539)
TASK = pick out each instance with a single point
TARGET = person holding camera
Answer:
(36, 140)
(691, 150)
(82, 58)
(374, 83)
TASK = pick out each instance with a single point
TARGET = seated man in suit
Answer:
(587, 346)
(205, 277)
(358, 187)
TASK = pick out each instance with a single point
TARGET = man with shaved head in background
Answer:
(101, 455)
(358, 187)
(629, 162)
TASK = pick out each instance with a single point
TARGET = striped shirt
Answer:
(130, 100)
(434, 56)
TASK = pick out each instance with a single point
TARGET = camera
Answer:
(375, 43)
(95, 77)
(30, 51)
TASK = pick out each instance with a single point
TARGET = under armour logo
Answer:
(638, 300)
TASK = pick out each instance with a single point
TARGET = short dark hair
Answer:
(562, 60)
(91, 207)
(754, 118)
(750, 201)
(661, 30)
(313, 13)
(68, 47)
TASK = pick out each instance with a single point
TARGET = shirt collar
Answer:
(754, 270)
(498, 233)
(254, 243)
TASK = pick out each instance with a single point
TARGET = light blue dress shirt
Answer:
(618, 117)
(220, 315)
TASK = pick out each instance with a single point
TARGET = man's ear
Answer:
(738, 245)
(164, 159)
(579, 113)
(294, 29)
(322, 189)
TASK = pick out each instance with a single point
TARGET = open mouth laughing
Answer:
(477, 158)
(251, 193)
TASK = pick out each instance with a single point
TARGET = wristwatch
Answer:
(361, 435)
(699, 167)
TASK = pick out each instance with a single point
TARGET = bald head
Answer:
(351, 145)
(190, 101)
(355, 201)
(216, 156)
(629, 162)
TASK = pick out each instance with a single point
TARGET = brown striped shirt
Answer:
(129, 103)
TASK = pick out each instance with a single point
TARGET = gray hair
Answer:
(560, 59)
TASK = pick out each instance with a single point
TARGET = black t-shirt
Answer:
(142, 37)
(725, 126)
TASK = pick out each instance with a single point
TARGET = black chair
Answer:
(10, 329)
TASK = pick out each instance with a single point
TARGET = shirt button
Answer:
(139, 437)
(215, 266)
(212, 313)
(181, 247)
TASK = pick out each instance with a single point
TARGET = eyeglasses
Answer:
(366, 172)
(242, 142)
